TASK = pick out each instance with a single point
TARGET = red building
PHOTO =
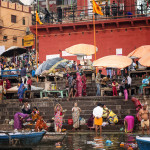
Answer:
(126, 34)
(113, 36)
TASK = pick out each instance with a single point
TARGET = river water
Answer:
(87, 141)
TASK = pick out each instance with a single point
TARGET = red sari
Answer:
(79, 85)
(84, 85)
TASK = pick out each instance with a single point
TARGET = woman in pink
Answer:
(79, 85)
(58, 117)
(129, 124)
(84, 84)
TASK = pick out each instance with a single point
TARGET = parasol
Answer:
(145, 60)
(51, 64)
(82, 49)
(113, 61)
(140, 52)
(14, 51)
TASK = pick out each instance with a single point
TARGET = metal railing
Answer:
(75, 14)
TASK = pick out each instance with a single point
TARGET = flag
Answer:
(38, 19)
(96, 8)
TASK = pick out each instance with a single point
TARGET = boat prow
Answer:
(20, 138)
(143, 143)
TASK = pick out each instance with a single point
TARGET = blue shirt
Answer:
(33, 73)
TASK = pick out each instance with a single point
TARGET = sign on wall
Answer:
(28, 40)
(119, 51)
(52, 56)
(2, 49)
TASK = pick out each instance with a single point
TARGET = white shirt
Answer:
(98, 112)
(129, 80)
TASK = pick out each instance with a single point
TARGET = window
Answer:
(23, 21)
(22, 42)
(14, 39)
(13, 18)
(5, 38)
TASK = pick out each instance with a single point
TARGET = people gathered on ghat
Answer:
(78, 84)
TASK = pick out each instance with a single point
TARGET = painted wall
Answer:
(127, 34)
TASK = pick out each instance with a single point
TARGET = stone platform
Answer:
(46, 107)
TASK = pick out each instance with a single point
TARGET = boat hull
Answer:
(26, 139)
(143, 143)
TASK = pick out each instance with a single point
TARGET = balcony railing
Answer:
(83, 15)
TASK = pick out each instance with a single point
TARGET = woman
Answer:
(112, 117)
(58, 117)
(84, 84)
(21, 92)
(40, 123)
(75, 116)
(79, 85)
(145, 82)
(126, 90)
(19, 119)
(26, 108)
(129, 124)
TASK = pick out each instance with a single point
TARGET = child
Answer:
(114, 84)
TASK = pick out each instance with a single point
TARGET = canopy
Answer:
(113, 61)
(33, 88)
(140, 51)
(145, 60)
(51, 64)
(82, 49)
(14, 51)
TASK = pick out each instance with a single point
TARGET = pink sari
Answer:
(130, 124)
(58, 119)
(79, 85)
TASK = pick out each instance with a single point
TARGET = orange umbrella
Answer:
(113, 61)
(145, 60)
(82, 49)
(140, 51)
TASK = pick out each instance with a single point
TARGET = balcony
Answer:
(76, 14)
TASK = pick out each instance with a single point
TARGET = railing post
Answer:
(52, 16)
(73, 15)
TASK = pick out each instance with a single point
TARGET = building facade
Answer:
(15, 20)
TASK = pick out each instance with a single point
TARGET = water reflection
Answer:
(89, 141)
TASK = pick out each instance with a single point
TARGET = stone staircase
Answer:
(46, 107)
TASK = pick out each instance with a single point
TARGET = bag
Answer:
(82, 121)
(145, 81)
(70, 121)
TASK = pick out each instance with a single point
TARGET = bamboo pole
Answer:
(36, 48)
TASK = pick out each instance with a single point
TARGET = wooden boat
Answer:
(20, 138)
(50, 137)
(143, 143)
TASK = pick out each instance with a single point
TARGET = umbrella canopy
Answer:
(145, 60)
(140, 52)
(82, 49)
(14, 51)
(113, 61)
(50, 64)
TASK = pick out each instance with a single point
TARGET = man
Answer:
(107, 10)
(74, 67)
(129, 80)
(114, 8)
(98, 79)
(144, 114)
(23, 74)
(98, 120)
(105, 80)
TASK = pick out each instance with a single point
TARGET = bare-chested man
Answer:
(144, 114)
